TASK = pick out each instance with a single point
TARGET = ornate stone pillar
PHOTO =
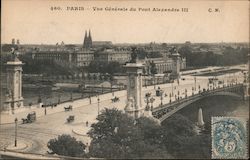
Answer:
(13, 97)
(134, 90)
(176, 65)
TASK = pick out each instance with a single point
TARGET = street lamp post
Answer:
(147, 95)
(195, 83)
(185, 92)
(172, 88)
(161, 98)
(59, 98)
(71, 96)
(170, 95)
(111, 90)
(154, 81)
(89, 99)
(178, 94)
(235, 79)
(98, 102)
(45, 108)
(16, 132)
(152, 101)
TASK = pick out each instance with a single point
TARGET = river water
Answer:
(216, 106)
(212, 106)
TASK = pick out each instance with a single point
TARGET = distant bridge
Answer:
(165, 111)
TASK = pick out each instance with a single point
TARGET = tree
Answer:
(154, 54)
(105, 67)
(83, 76)
(117, 135)
(178, 134)
(150, 130)
(100, 77)
(89, 76)
(39, 100)
(67, 146)
(144, 74)
(104, 134)
(153, 69)
(94, 77)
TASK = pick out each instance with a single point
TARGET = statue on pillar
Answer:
(14, 55)
(134, 55)
(130, 106)
(13, 97)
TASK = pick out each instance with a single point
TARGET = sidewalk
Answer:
(21, 145)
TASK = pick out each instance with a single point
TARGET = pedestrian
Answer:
(87, 123)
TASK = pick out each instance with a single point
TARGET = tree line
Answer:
(229, 56)
(116, 135)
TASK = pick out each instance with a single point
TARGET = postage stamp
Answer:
(229, 138)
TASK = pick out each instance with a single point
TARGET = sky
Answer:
(33, 21)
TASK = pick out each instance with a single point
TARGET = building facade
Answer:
(164, 65)
(72, 58)
(113, 55)
(83, 58)
(52, 56)
(105, 52)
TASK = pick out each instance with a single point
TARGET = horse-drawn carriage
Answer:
(71, 118)
(158, 92)
(115, 99)
(69, 108)
(31, 117)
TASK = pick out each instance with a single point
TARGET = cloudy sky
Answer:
(33, 21)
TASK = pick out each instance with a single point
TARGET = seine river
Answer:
(47, 97)
(216, 106)
(213, 106)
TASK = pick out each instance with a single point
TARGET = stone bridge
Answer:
(165, 111)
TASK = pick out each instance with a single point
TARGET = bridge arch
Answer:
(183, 105)
(166, 111)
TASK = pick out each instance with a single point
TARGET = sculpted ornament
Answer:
(130, 104)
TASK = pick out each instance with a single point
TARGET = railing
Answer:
(201, 94)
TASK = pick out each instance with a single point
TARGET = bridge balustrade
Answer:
(160, 111)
